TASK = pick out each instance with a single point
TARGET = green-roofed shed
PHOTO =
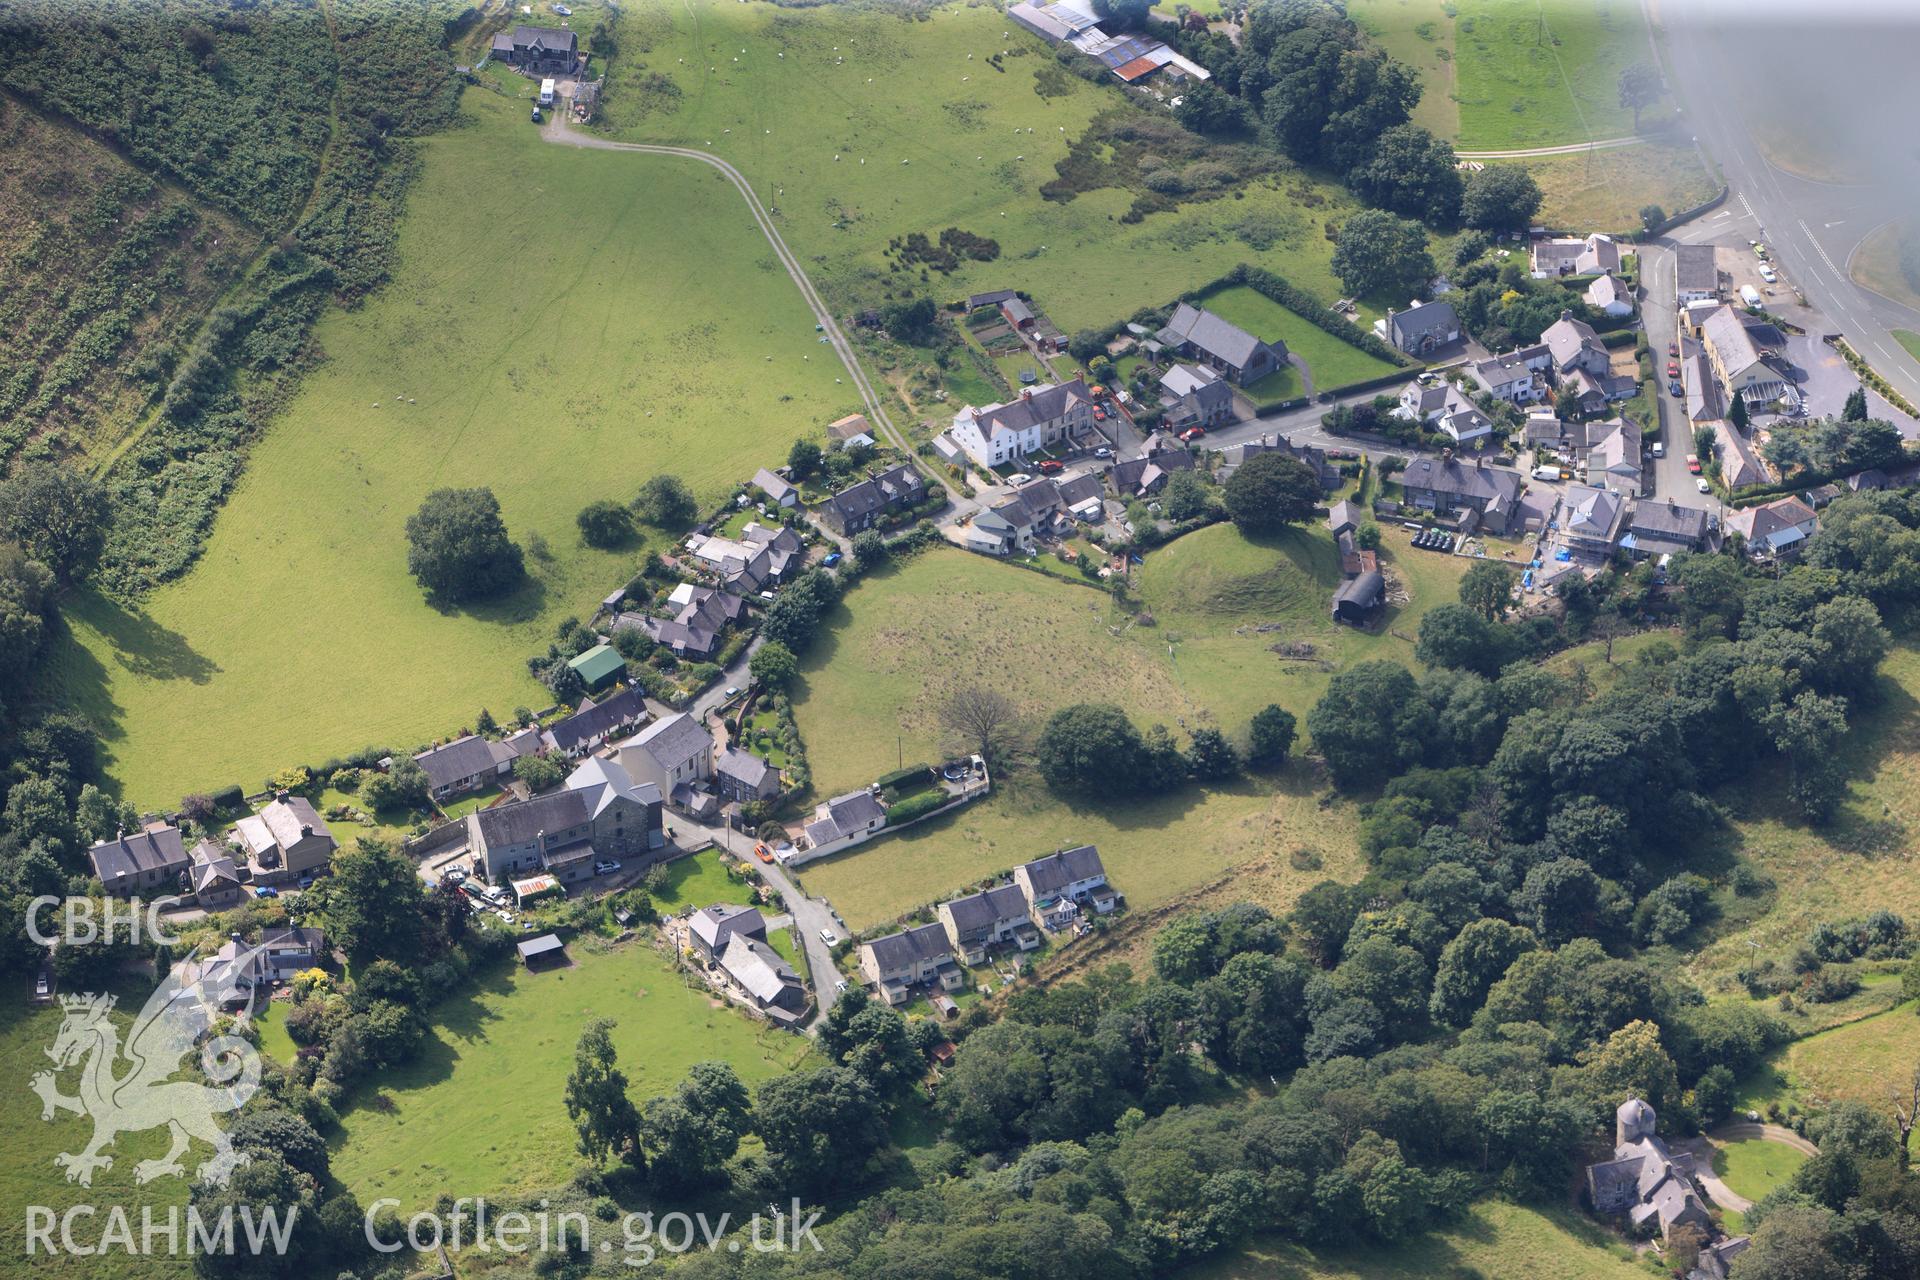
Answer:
(598, 665)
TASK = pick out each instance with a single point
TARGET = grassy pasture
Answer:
(1539, 73)
(1333, 363)
(946, 140)
(1496, 1239)
(1608, 188)
(1420, 34)
(542, 331)
(480, 1108)
(870, 694)
(99, 261)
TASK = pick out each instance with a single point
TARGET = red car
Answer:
(763, 853)
(1193, 433)
(1673, 368)
(1099, 414)
(1693, 463)
(1049, 467)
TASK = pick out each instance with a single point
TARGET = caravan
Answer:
(546, 93)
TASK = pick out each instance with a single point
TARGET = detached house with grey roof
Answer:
(743, 778)
(1195, 396)
(768, 982)
(712, 928)
(674, 754)
(1591, 521)
(918, 957)
(465, 764)
(285, 841)
(1448, 487)
(840, 823)
(1201, 335)
(539, 51)
(153, 857)
(1654, 1187)
(988, 919)
(1566, 256)
(1422, 329)
(1664, 528)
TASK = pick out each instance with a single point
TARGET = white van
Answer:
(1546, 473)
(546, 93)
(1750, 296)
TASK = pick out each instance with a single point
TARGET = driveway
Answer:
(1703, 1149)
(810, 915)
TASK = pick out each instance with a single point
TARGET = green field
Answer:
(906, 637)
(1536, 73)
(540, 329)
(766, 88)
(480, 1109)
(28, 1175)
(1332, 363)
(701, 881)
(1497, 1240)
(1606, 189)
(1420, 34)
(1754, 1167)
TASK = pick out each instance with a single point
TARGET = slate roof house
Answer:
(988, 918)
(1575, 257)
(465, 764)
(1573, 344)
(285, 841)
(151, 858)
(695, 631)
(771, 983)
(1445, 408)
(1446, 486)
(1613, 458)
(1591, 520)
(1038, 418)
(239, 970)
(1652, 1185)
(1147, 474)
(712, 928)
(1695, 275)
(674, 753)
(1195, 395)
(743, 778)
(542, 51)
(1664, 528)
(1058, 885)
(594, 723)
(1202, 335)
(778, 489)
(1610, 296)
(1513, 377)
(215, 877)
(1273, 442)
(1774, 528)
(601, 812)
(842, 822)
(863, 505)
(1012, 525)
(1737, 359)
(920, 956)
(759, 557)
(1421, 328)
(1739, 465)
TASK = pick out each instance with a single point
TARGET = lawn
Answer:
(1754, 1167)
(472, 802)
(908, 636)
(1607, 189)
(1908, 339)
(662, 337)
(860, 127)
(1538, 73)
(480, 1110)
(1497, 1240)
(701, 881)
(1333, 363)
(1282, 384)
(28, 1175)
(1420, 34)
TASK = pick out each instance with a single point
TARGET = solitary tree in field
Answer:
(457, 545)
(982, 720)
(665, 502)
(603, 1115)
(1639, 88)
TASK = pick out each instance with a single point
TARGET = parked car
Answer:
(266, 891)
(1103, 452)
(829, 937)
(1693, 463)
(1673, 349)
(1658, 449)
(1019, 477)
(763, 853)
(1099, 414)
(1192, 433)
(506, 915)
(306, 882)
(563, 11)
(1546, 473)
(536, 115)
(1674, 388)
(1769, 275)
(840, 986)
(733, 691)
(455, 875)
(41, 989)
(1052, 467)
(605, 867)
(1673, 368)
(1702, 485)
(833, 558)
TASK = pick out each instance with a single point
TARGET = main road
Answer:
(1813, 228)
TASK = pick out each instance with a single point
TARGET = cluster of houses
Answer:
(1130, 57)
(733, 940)
(1656, 1189)
(285, 843)
(1047, 895)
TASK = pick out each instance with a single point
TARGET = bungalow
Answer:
(601, 812)
(1664, 528)
(1202, 335)
(842, 822)
(879, 496)
(594, 723)
(1695, 276)
(285, 841)
(465, 764)
(1590, 521)
(598, 667)
(921, 956)
(1446, 486)
(986, 919)
(712, 928)
(1572, 344)
(1058, 885)
(780, 492)
(214, 877)
(1195, 395)
(1591, 256)
(1038, 418)
(674, 754)
(153, 857)
(1610, 296)
(744, 778)
(1774, 528)
(1421, 329)
(769, 982)
(1737, 359)
(541, 51)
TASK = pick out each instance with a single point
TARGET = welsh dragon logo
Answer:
(129, 1089)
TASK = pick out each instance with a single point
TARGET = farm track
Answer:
(1565, 149)
(560, 132)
